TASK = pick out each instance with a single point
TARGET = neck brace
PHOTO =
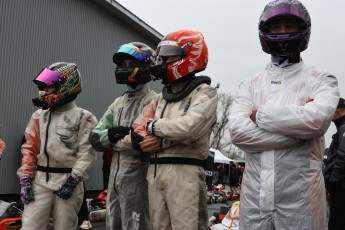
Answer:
(188, 87)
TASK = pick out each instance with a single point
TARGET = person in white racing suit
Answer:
(127, 201)
(278, 118)
(176, 130)
(56, 153)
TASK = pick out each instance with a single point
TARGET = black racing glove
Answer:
(117, 133)
(136, 139)
(66, 190)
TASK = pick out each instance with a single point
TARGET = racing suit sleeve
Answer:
(338, 173)
(86, 154)
(140, 138)
(31, 148)
(244, 133)
(200, 116)
(126, 143)
(303, 121)
(99, 135)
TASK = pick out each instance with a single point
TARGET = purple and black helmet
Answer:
(282, 44)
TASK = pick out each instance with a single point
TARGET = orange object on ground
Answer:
(223, 211)
(11, 224)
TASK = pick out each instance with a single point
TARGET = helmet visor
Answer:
(134, 52)
(47, 77)
(170, 48)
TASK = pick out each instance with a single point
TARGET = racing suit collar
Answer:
(65, 107)
(134, 88)
(137, 93)
(289, 69)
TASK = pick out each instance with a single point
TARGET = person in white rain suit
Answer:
(279, 117)
(176, 129)
(56, 153)
(127, 201)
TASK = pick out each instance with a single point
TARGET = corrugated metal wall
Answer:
(34, 34)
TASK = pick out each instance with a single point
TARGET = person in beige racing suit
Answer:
(176, 129)
(127, 201)
(56, 153)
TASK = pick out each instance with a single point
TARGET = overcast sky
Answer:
(231, 33)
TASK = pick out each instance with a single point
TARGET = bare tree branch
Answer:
(221, 139)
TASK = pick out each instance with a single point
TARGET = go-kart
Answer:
(10, 215)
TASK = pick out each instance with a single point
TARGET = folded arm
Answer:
(245, 133)
(303, 121)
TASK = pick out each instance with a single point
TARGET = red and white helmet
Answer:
(190, 46)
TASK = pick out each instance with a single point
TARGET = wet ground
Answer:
(212, 208)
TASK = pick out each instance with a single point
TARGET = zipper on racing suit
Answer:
(118, 153)
(45, 145)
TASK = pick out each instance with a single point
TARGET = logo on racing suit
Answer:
(134, 221)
